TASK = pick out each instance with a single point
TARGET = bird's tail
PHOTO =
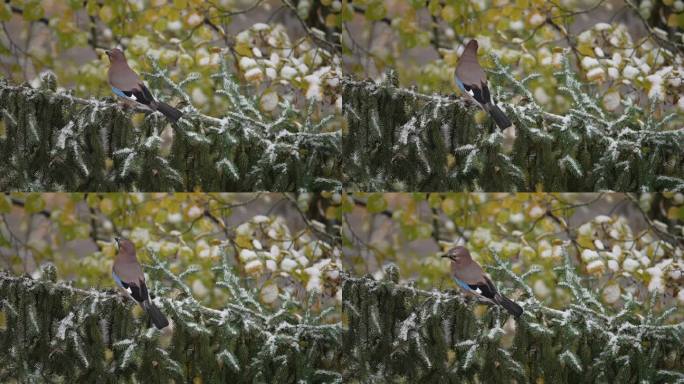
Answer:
(497, 114)
(158, 319)
(509, 305)
(170, 112)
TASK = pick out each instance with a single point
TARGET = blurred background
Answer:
(276, 243)
(278, 50)
(620, 243)
(626, 51)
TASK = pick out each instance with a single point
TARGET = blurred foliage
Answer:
(637, 248)
(278, 244)
(291, 55)
(637, 56)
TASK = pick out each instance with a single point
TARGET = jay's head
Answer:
(125, 246)
(471, 47)
(116, 55)
(459, 255)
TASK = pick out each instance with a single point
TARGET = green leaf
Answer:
(5, 204)
(4, 242)
(34, 203)
(76, 4)
(376, 11)
(33, 11)
(376, 203)
(434, 7)
(5, 12)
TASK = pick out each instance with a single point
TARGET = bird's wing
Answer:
(139, 94)
(127, 84)
(471, 78)
(121, 76)
(136, 289)
(484, 290)
(472, 278)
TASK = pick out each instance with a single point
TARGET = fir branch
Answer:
(76, 349)
(241, 150)
(616, 339)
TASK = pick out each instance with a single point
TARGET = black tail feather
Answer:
(512, 308)
(158, 319)
(170, 112)
(499, 117)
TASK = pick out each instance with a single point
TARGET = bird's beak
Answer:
(445, 255)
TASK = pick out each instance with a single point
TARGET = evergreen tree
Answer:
(54, 141)
(398, 333)
(399, 139)
(57, 333)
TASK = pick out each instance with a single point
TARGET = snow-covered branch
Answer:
(397, 331)
(56, 141)
(400, 139)
(56, 331)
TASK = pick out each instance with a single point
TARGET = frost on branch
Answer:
(400, 139)
(51, 140)
(400, 333)
(54, 332)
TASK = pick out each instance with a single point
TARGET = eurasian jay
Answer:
(128, 275)
(471, 80)
(127, 84)
(468, 274)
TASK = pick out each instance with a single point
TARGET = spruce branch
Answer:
(74, 329)
(401, 139)
(57, 141)
(449, 343)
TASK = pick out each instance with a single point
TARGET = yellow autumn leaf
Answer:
(106, 206)
(5, 12)
(106, 13)
(5, 205)
(449, 13)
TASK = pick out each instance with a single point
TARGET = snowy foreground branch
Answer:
(400, 332)
(55, 332)
(399, 139)
(55, 141)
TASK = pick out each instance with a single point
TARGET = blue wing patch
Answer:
(119, 92)
(460, 84)
(116, 278)
(462, 284)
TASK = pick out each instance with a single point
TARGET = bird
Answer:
(468, 274)
(127, 84)
(471, 80)
(128, 275)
